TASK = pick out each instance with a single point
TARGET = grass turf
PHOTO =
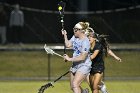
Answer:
(63, 87)
(35, 64)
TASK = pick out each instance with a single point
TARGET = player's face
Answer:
(91, 38)
(76, 31)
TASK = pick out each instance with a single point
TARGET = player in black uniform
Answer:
(98, 42)
(98, 50)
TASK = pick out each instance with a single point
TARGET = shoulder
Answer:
(73, 37)
(86, 40)
(98, 45)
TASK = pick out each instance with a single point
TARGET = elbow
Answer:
(92, 57)
(109, 52)
(67, 45)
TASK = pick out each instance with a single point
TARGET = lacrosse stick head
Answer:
(48, 50)
(42, 89)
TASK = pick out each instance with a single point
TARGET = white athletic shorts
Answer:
(84, 69)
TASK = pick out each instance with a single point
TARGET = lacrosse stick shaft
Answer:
(42, 89)
(58, 54)
(61, 76)
(61, 8)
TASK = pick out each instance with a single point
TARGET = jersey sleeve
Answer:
(72, 39)
(85, 46)
(98, 46)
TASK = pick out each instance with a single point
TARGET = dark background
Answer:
(42, 27)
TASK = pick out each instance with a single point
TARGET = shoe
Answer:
(103, 88)
(85, 90)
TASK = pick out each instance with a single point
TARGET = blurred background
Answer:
(38, 22)
(117, 18)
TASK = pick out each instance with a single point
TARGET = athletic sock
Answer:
(103, 88)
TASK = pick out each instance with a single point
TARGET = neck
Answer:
(82, 36)
(92, 44)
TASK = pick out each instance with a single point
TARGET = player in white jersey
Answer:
(81, 63)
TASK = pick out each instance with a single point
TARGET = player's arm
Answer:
(110, 52)
(97, 50)
(83, 55)
(94, 54)
(68, 43)
(79, 58)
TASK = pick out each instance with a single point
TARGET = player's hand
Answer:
(64, 32)
(66, 57)
(119, 59)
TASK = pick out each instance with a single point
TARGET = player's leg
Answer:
(97, 80)
(103, 87)
(77, 80)
(86, 90)
(71, 80)
(91, 81)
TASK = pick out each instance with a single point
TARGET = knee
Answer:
(75, 84)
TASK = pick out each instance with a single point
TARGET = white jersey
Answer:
(80, 46)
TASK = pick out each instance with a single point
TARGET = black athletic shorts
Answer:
(97, 69)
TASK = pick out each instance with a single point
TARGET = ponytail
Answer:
(103, 40)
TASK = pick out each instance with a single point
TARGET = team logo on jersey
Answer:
(85, 49)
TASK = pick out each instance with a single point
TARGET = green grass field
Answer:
(32, 64)
(35, 64)
(63, 87)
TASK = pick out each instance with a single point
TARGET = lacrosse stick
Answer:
(61, 8)
(50, 51)
(42, 89)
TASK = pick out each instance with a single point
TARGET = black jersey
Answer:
(97, 62)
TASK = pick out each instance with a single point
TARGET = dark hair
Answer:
(93, 34)
(103, 40)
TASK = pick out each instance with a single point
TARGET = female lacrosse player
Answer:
(110, 52)
(99, 47)
(81, 57)
(97, 70)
